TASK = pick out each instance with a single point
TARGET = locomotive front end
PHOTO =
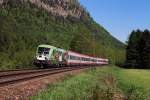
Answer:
(49, 56)
(43, 54)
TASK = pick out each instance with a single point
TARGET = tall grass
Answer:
(94, 84)
(107, 83)
(134, 82)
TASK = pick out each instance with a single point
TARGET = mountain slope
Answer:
(62, 23)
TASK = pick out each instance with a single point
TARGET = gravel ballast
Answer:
(23, 90)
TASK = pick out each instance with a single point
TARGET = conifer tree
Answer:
(132, 50)
(145, 44)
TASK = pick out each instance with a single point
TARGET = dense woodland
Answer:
(138, 50)
(24, 27)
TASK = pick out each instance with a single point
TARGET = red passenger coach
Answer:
(78, 59)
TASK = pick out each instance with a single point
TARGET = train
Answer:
(48, 56)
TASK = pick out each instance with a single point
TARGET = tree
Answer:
(132, 50)
(145, 48)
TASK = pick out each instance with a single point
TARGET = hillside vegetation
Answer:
(106, 83)
(24, 25)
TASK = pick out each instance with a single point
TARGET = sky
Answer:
(120, 17)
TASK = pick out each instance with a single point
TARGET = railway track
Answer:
(23, 71)
(13, 77)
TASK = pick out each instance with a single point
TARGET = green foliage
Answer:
(23, 28)
(138, 50)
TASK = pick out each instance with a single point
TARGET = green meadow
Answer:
(105, 83)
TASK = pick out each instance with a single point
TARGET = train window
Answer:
(93, 60)
(68, 57)
(43, 50)
(71, 57)
(79, 58)
(85, 59)
(74, 57)
(59, 52)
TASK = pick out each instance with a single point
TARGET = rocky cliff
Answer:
(63, 8)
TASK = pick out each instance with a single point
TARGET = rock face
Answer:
(63, 8)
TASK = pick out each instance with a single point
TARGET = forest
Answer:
(138, 49)
(24, 26)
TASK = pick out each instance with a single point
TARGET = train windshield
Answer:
(43, 50)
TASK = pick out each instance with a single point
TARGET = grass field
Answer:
(106, 83)
(134, 83)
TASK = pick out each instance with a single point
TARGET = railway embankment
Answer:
(107, 83)
(20, 85)
(103, 83)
